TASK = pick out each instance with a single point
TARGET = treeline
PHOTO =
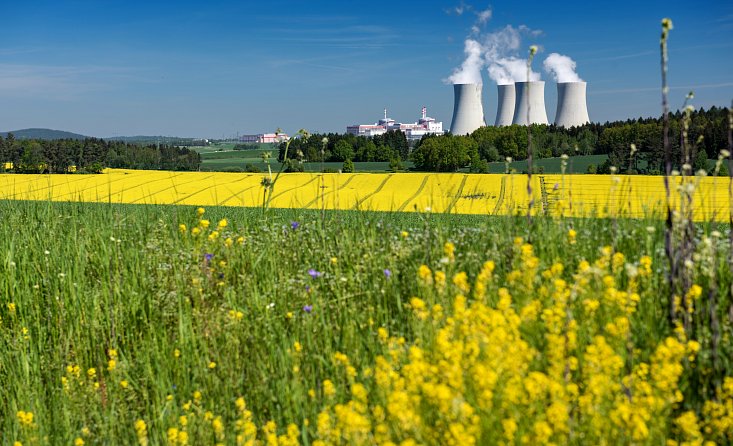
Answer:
(707, 133)
(90, 155)
(335, 147)
(707, 136)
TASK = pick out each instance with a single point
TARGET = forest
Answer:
(90, 155)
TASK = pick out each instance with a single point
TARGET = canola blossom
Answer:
(557, 195)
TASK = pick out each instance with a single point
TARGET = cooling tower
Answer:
(572, 110)
(468, 113)
(535, 100)
(505, 111)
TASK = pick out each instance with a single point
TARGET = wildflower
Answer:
(572, 233)
(111, 365)
(222, 223)
(182, 228)
(334, 260)
(329, 389)
(195, 231)
(425, 275)
(460, 280)
(204, 223)
(449, 251)
(200, 211)
(197, 396)
(387, 273)
(404, 234)
(11, 307)
(176, 353)
(25, 418)
(314, 274)
(92, 373)
(308, 308)
(124, 384)
(141, 429)
(294, 225)
(240, 240)
(208, 257)
(289, 315)
(212, 365)
(240, 404)
(78, 441)
(228, 242)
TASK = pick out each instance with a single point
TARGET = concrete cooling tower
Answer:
(505, 111)
(468, 112)
(572, 110)
(532, 98)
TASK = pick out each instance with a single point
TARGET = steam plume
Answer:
(562, 68)
(497, 51)
(470, 70)
(507, 70)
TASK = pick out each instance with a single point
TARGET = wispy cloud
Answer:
(350, 37)
(61, 82)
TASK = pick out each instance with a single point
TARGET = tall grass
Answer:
(85, 280)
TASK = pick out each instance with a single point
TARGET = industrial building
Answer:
(264, 138)
(425, 125)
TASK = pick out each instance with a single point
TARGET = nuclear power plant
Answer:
(468, 110)
(515, 101)
(572, 110)
(505, 109)
(530, 99)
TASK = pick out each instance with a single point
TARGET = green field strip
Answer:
(415, 195)
(332, 191)
(457, 196)
(376, 191)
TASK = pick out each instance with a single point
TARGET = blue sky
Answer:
(212, 69)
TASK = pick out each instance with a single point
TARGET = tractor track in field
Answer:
(370, 195)
(333, 191)
(415, 195)
(457, 196)
(199, 191)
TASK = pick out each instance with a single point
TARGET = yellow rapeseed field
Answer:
(569, 195)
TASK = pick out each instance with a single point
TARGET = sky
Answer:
(217, 68)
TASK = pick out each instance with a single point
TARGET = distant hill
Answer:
(142, 139)
(42, 134)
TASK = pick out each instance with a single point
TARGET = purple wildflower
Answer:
(314, 274)
(308, 308)
(294, 225)
(208, 257)
(307, 288)
(387, 273)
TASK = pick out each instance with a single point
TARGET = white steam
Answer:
(507, 70)
(562, 68)
(498, 52)
(470, 70)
